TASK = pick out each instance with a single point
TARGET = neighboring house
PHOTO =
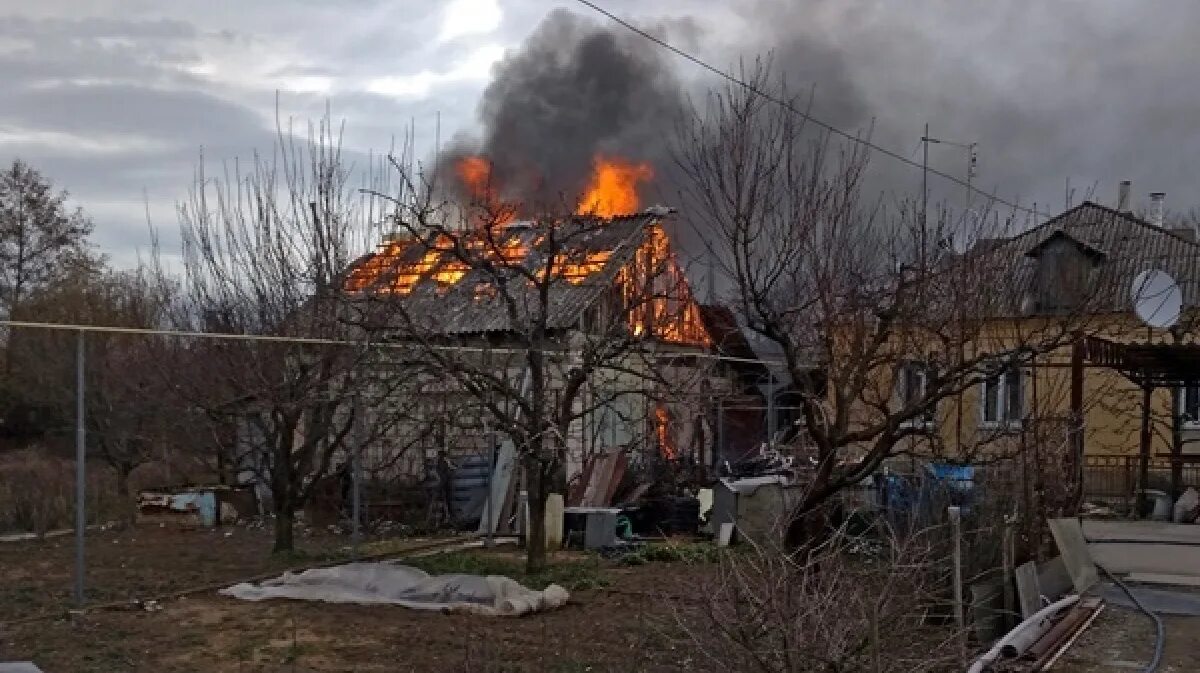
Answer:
(1083, 264)
(619, 269)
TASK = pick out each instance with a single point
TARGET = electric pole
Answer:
(972, 162)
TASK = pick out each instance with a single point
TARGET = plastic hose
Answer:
(1161, 636)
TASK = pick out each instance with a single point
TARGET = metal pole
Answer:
(80, 469)
(924, 194)
(770, 407)
(719, 458)
(356, 479)
(490, 438)
(956, 530)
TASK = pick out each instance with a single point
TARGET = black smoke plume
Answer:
(574, 89)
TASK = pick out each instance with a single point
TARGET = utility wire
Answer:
(316, 341)
(805, 115)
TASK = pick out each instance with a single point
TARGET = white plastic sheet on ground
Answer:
(392, 584)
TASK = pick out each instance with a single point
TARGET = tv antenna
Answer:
(1157, 299)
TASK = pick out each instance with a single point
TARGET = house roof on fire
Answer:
(441, 295)
(1121, 245)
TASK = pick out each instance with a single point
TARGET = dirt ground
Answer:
(626, 626)
(142, 562)
(1122, 639)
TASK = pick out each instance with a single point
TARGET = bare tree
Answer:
(265, 250)
(879, 312)
(130, 406)
(539, 323)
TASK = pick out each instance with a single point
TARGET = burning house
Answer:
(600, 289)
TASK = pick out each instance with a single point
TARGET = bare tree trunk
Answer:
(128, 510)
(123, 480)
(284, 517)
(281, 494)
(535, 540)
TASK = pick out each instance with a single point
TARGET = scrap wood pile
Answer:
(600, 480)
(651, 499)
(1041, 640)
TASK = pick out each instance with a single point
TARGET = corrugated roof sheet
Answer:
(1126, 244)
(468, 307)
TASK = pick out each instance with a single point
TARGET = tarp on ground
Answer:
(384, 583)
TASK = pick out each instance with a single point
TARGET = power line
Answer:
(805, 115)
(317, 341)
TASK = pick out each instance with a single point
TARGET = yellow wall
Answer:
(1112, 403)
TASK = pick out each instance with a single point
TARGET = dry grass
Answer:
(37, 493)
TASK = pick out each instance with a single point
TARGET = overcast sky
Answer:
(114, 99)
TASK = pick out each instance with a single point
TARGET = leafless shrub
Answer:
(37, 493)
(854, 603)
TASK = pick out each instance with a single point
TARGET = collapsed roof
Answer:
(450, 284)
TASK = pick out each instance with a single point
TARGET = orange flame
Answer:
(475, 174)
(662, 432)
(612, 189)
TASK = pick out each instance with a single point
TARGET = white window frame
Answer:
(1003, 415)
(921, 370)
(1187, 422)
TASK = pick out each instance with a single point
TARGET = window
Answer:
(1003, 398)
(913, 381)
(1189, 406)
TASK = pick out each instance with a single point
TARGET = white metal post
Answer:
(956, 530)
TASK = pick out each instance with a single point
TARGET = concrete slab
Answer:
(1160, 601)
(1181, 534)
(1068, 535)
(1053, 578)
(1029, 594)
(1163, 578)
(1146, 557)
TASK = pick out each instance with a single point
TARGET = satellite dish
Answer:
(1157, 300)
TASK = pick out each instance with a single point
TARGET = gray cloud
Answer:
(1091, 91)
(1088, 91)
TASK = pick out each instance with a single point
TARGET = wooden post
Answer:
(1144, 453)
(1007, 553)
(1076, 430)
(1176, 444)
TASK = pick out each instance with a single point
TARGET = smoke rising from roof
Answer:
(1049, 91)
(573, 89)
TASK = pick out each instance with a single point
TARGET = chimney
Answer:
(1123, 196)
(1156, 208)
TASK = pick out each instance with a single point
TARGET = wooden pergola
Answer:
(1149, 366)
